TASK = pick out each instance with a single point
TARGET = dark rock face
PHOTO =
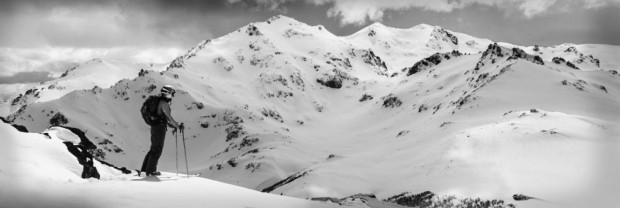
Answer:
(85, 159)
(371, 58)
(538, 60)
(430, 61)
(143, 72)
(176, 63)
(81, 152)
(58, 119)
(286, 181)
(518, 53)
(64, 74)
(413, 200)
(366, 97)
(252, 30)
(583, 58)
(493, 51)
(442, 34)
(571, 49)
(558, 60)
(331, 82)
(335, 79)
(20, 128)
(428, 199)
(453, 38)
(391, 101)
(84, 141)
(16, 126)
(84, 154)
(571, 65)
(372, 33)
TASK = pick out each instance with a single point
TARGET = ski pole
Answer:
(176, 149)
(185, 151)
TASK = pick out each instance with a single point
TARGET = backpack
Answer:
(149, 111)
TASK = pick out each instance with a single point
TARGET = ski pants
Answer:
(158, 136)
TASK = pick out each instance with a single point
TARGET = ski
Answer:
(165, 175)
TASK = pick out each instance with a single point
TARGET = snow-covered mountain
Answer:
(287, 108)
(94, 73)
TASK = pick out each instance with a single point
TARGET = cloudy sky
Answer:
(39, 39)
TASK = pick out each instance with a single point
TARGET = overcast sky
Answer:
(42, 38)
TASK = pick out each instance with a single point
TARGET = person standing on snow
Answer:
(158, 131)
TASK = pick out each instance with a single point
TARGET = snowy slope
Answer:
(8, 92)
(585, 57)
(292, 109)
(96, 72)
(403, 47)
(39, 172)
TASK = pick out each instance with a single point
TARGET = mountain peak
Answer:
(376, 24)
(282, 20)
(424, 26)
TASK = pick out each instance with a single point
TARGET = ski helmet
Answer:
(168, 90)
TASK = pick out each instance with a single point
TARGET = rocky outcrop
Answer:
(83, 152)
(582, 58)
(560, 60)
(85, 159)
(391, 101)
(374, 60)
(286, 181)
(335, 79)
(16, 126)
(495, 52)
(518, 53)
(430, 61)
(442, 34)
(429, 199)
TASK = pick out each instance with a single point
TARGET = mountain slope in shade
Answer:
(292, 109)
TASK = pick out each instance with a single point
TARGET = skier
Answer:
(158, 131)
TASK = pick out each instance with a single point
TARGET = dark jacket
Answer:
(163, 111)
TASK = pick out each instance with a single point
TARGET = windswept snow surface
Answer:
(36, 171)
(293, 109)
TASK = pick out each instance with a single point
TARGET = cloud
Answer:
(71, 23)
(532, 8)
(358, 12)
(27, 77)
(596, 4)
(56, 60)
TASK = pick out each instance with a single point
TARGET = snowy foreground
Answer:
(36, 171)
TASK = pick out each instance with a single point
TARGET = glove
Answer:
(182, 127)
(174, 131)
